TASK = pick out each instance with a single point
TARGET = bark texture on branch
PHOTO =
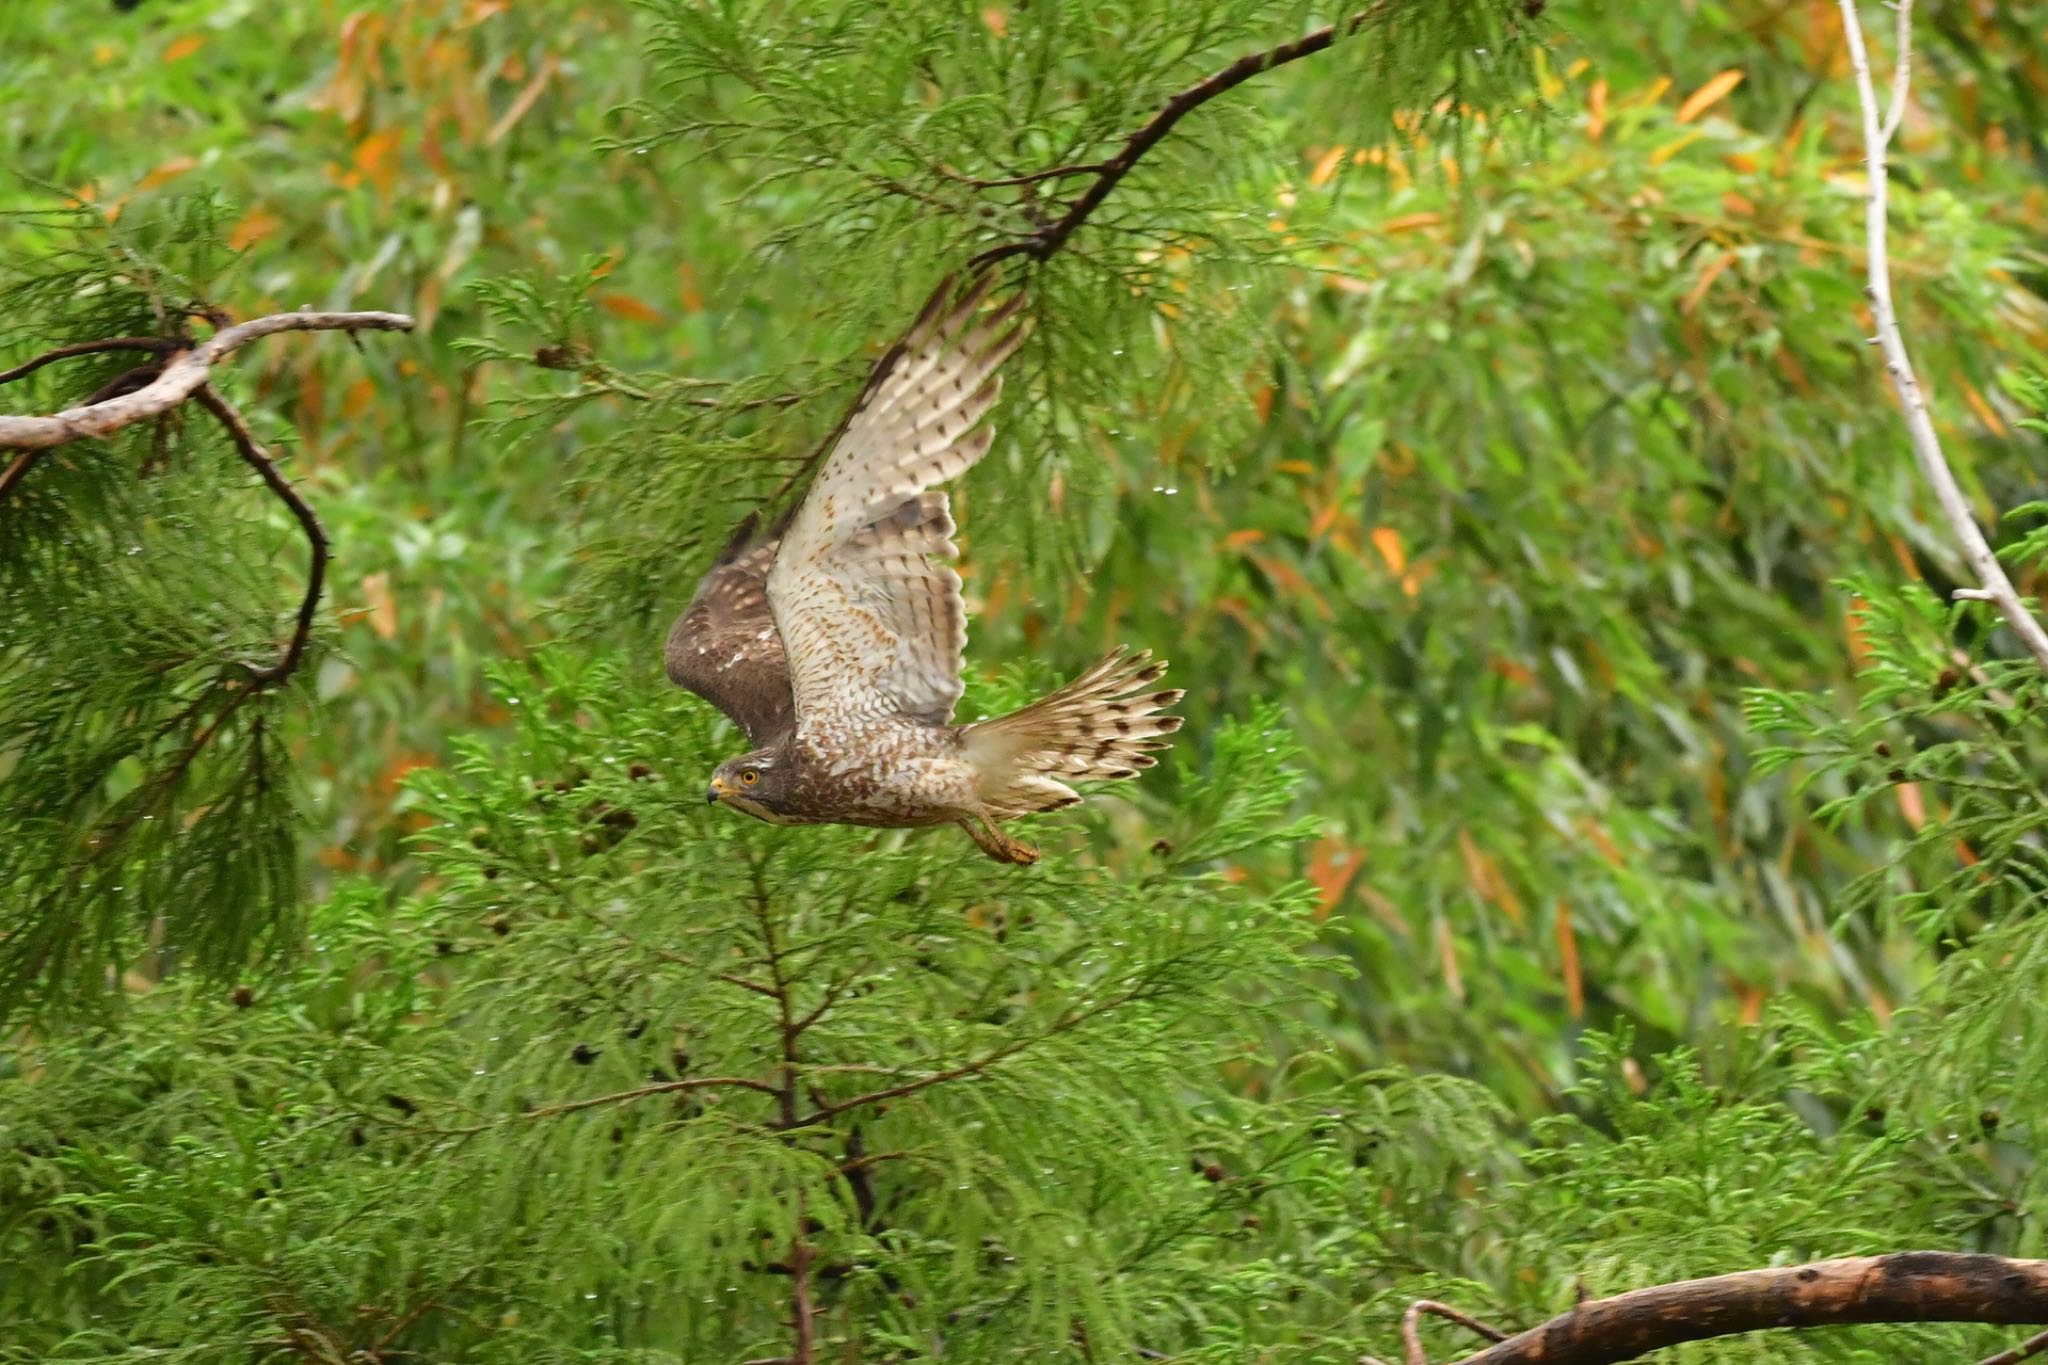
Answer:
(179, 379)
(1906, 1286)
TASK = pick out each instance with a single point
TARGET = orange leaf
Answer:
(521, 102)
(256, 224)
(1387, 541)
(1237, 540)
(1705, 282)
(1601, 840)
(997, 18)
(1331, 868)
(181, 48)
(376, 156)
(383, 606)
(1447, 952)
(1512, 671)
(1596, 110)
(1327, 167)
(1853, 629)
(626, 306)
(1671, 149)
(1912, 806)
(1409, 222)
(167, 172)
(1704, 98)
(1568, 953)
(1985, 412)
(1320, 525)
(394, 773)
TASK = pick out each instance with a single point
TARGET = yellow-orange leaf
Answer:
(1331, 867)
(1512, 671)
(1853, 629)
(1387, 541)
(1650, 93)
(1601, 839)
(1237, 540)
(256, 224)
(1596, 109)
(1911, 805)
(1985, 412)
(1319, 525)
(522, 102)
(1568, 955)
(1671, 149)
(376, 156)
(997, 18)
(626, 306)
(1327, 167)
(167, 172)
(1447, 952)
(181, 48)
(383, 606)
(1705, 282)
(1708, 95)
(1409, 222)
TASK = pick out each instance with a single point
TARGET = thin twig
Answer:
(1042, 244)
(2032, 1346)
(1411, 1327)
(1877, 131)
(1073, 1019)
(159, 345)
(268, 675)
(642, 1092)
(1030, 178)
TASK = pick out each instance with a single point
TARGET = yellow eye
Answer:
(750, 777)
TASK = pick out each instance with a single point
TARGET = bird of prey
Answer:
(834, 639)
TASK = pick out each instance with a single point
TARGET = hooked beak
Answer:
(711, 797)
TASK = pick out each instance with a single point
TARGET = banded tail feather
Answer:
(1102, 726)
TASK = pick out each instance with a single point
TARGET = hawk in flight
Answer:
(834, 640)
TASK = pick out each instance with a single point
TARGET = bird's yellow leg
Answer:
(982, 828)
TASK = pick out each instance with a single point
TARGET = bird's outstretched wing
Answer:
(862, 589)
(724, 646)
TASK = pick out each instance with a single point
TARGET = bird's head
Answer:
(757, 783)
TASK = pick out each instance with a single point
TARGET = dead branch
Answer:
(178, 380)
(157, 345)
(1878, 130)
(1906, 1286)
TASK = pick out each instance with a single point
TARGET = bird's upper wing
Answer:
(724, 646)
(863, 591)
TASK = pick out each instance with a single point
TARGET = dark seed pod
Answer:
(583, 1054)
(243, 997)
